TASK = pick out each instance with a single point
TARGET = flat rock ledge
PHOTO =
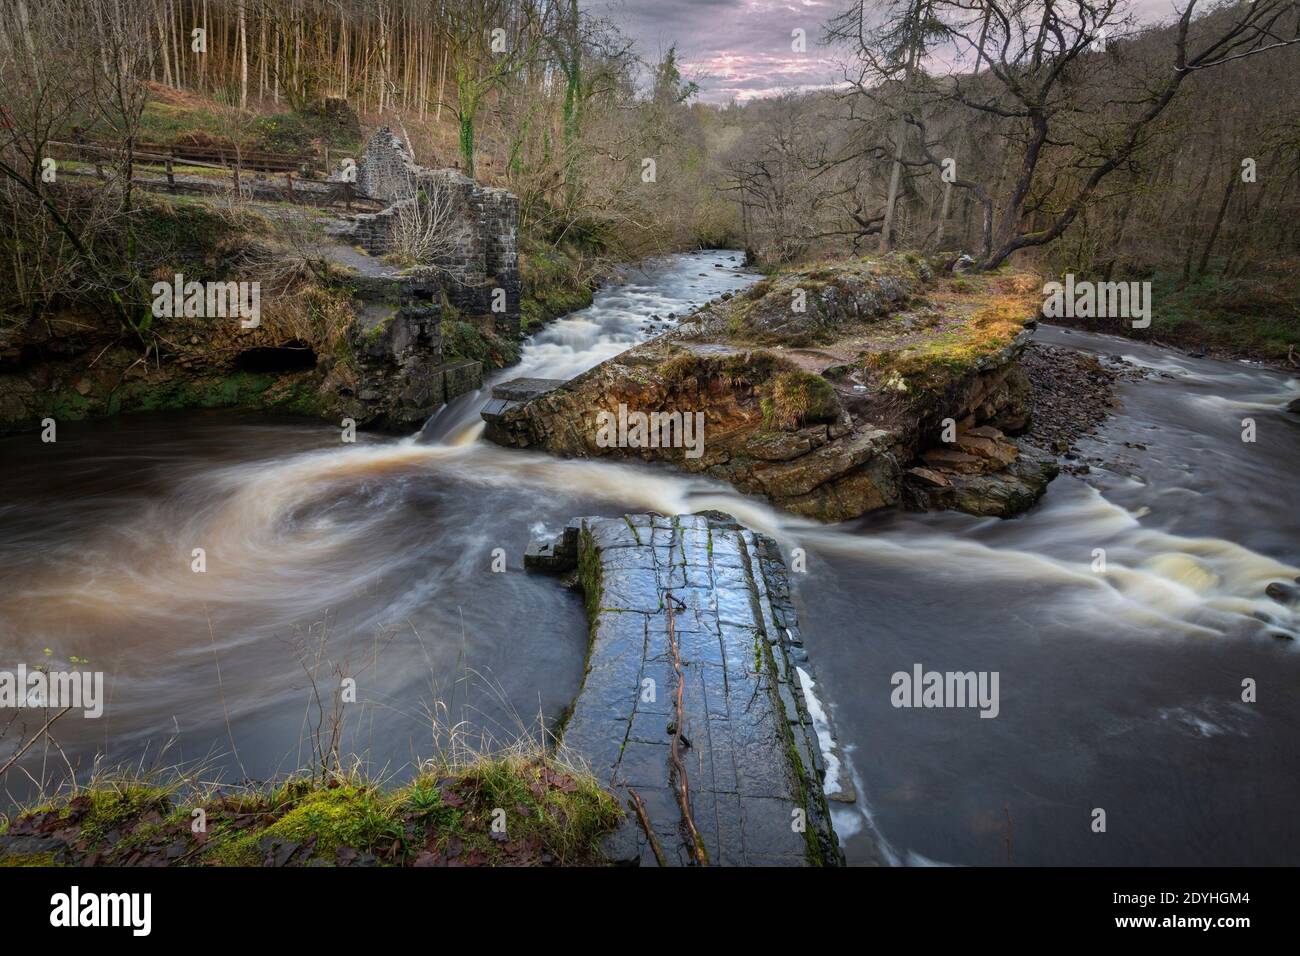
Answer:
(754, 769)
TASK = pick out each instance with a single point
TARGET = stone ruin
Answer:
(397, 339)
(486, 256)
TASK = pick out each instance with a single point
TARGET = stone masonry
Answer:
(387, 170)
(753, 765)
(401, 377)
(486, 255)
(397, 345)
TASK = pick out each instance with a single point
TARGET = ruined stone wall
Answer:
(500, 221)
(387, 169)
(397, 347)
(486, 253)
(467, 264)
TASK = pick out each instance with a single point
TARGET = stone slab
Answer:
(721, 594)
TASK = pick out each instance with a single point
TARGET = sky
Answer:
(741, 49)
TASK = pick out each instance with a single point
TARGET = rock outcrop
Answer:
(823, 390)
(382, 342)
(696, 679)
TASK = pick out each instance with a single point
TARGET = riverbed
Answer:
(1120, 690)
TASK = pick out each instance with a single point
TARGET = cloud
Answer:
(735, 49)
(741, 49)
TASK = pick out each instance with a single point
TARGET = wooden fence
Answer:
(224, 158)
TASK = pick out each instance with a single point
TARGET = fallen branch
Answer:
(682, 789)
(644, 820)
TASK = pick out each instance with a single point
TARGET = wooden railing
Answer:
(224, 158)
(215, 156)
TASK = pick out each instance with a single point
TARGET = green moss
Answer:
(552, 813)
(551, 281)
(334, 816)
(28, 859)
(462, 340)
(540, 306)
(238, 388)
(811, 851)
(376, 331)
(804, 790)
(636, 535)
(796, 398)
(99, 810)
(69, 405)
(590, 576)
(568, 820)
(300, 396)
(838, 297)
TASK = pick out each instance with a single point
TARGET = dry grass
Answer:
(478, 801)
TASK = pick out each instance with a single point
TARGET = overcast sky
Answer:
(743, 47)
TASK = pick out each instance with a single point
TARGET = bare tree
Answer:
(1044, 60)
(49, 84)
(427, 228)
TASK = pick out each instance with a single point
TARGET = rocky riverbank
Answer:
(832, 391)
(520, 808)
(1070, 394)
(289, 308)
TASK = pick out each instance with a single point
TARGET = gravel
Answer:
(1071, 393)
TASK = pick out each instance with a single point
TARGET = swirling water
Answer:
(1119, 690)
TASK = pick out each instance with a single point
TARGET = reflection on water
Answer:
(1120, 689)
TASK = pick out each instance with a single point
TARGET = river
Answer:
(1119, 691)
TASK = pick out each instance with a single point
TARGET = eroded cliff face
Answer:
(832, 391)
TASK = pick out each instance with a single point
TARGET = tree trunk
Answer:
(1191, 238)
(943, 215)
(887, 228)
(243, 55)
(1218, 223)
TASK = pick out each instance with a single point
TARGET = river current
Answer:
(1119, 691)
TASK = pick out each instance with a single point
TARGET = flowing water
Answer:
(1119, 690)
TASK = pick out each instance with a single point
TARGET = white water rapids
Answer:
(1120, 689)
